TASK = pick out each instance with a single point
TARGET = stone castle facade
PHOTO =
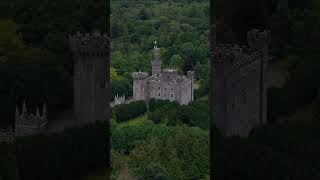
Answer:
(90, 77)
(90, 88)
(30, 123)
(164, 84)
(239, 84)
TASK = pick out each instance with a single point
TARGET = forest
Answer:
(285, 148)
(160, 139)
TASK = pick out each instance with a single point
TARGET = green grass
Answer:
(139, 120)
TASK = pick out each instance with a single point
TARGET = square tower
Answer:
(90, 77)
(239, 85)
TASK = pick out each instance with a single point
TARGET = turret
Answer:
(91, 54)
(139, 85)
(156, 63)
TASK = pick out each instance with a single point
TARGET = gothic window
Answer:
(164, 94)
(159, 87)
(165, 89)
(158, 94)
(171, 95)
(171, 89)
(244, 97)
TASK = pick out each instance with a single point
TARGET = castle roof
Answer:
(166, 78)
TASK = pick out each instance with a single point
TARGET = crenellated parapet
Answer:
(139, 75)
(258, 39)
(237, 56)
(90, 45)
(36, 119)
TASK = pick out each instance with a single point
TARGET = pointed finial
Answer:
(44, 113)
(24, 107)
(17, 111)
(37, 112)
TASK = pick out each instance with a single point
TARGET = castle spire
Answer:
(17, 111)
(37, 112)
(156, 63)
(156, 53)
(44, 113)
(24, 107)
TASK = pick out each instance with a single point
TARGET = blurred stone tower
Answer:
(239, 84)
(90, 77)
(28, 123)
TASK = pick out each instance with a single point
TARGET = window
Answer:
(164, 94)
(171, 89)
(171, 95)
(103, 84)
(165, 88)
(159, 87)
(244, 97)
(158, 94)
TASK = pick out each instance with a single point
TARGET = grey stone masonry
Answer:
(90, 76)
(29, 123)
(239, 85)
(165, 84)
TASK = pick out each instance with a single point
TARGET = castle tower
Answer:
(239, 85)
(29, 123)
(190, 75)
(139, 85)
(90, 73)
(156, 63)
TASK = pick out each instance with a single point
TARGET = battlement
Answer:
(258, 39)
(94, 44)
(119, 99)
(6, 135)
(238, 56)
(170, 71)
(139, 75)
(190, 74)
(30, 119)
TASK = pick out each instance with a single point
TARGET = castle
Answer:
(163, 84)
(119, 99)
(90, 88)
(239, 84)
(90, 77)
(29, 123)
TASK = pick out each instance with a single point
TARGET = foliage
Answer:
(55, 156)
(161, 152)
(170, 113)
(120, 87)
(286, 150)
(132, 110)
(179, 156)
(181, 32)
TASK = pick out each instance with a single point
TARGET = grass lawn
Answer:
(137, 120)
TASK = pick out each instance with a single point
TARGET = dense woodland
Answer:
(163, 140)
(181, 31)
